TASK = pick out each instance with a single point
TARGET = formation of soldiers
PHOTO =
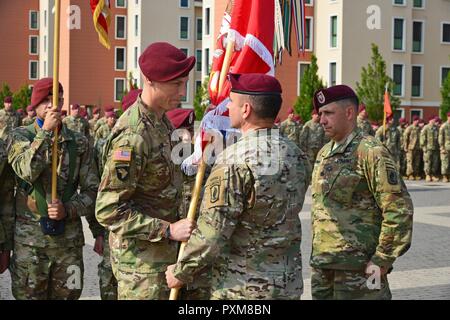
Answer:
(421, 151)
(245, 244)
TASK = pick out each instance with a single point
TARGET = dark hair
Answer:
(266, 106)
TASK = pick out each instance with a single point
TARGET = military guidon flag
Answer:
(102, 20)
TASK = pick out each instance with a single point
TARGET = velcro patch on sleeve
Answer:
(122, 155)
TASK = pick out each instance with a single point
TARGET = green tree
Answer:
(22, 98)
(373, 85)
(445, 92)
(201, 100)
(5, 92)
(309, 85)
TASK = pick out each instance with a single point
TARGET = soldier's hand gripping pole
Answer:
(192, 213)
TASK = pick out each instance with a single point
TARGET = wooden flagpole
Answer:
(55, 97)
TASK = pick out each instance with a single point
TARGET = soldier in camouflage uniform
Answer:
(76, 122)
(93, 121)
(429, 142)
(47, 262)
(104, 131)
(140, 191)
(444, 143)
(7, 209)
(312, 138)
(102, 121)
(362, 214)
(291, 129)
(30, 118)
(363, 121)
(411, 142)
(403, 124)
(391, 139)
(9, 119)
(249, 228)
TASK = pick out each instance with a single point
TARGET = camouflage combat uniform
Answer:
(291, 130)
(8, 121)
(138, 198)
(100, 122)
(411, 141)
(249, 228)
(44, 266)
(361, 212)
(92, 124)
(77, 124)
(365, 126)
(402, 152)
(429, 142)
(391, 139)
(27, 121)
(312, 139)
(444, 143)
(7, 208)
(102, 132)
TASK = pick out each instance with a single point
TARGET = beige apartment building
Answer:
(413, 37)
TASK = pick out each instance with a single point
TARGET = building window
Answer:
(199, 29)
(333, 73)
(399, 2)
(418, 4)
(207, 21)
(418, 33)
(120, 58)
(136, 25)
(399, 30)
(302, 67)
(418, 113)
(446, 33)
(120, 27)
(119, 89)
(397, 75)
(333, 32)
(33, 70)
(309, 33)
(121, 4)
(45, 18)
(184, 28)
(416, 90)
(34, 45)
(136, 57)
(45, 68)
(184, 3)
(34, 20)
(198, 54)
(206, 68)
(185, 99)
(45, 43)
(185, 51)
(444, 74)
(198, 85)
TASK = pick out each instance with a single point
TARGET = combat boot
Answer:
(436, 179)
(411, 177)
(445, 179)
(428, 178)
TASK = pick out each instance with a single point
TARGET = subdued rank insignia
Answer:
(392, 177)
(123, 172)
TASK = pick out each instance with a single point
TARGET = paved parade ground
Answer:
(423, 273)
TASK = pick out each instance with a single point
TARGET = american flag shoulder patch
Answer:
(123, 155)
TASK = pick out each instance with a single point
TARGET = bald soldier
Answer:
(9, 119)
(140, 191)
(249, 228)
(362, 214)
(47, 262)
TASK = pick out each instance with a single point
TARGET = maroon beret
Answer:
(108, 108)
(163, 62)
(416, 118)
(75, 107)
(20, 111)
(324, 97)
(436, 118)
(297, 118)
(362, 107)
(64, 112)
(448, 114)
(8, 99)
(181, 118)
(29, 109)
(110, 114)
(96, 111)
(130, 99)
(402, 120)
(290, 111)
(42, 89)
(255, 84)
